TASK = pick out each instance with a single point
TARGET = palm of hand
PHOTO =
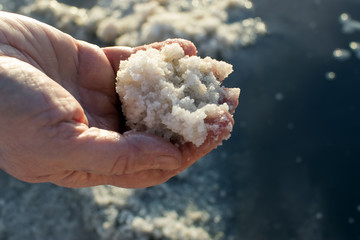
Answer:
(64, 89)
(80, 69)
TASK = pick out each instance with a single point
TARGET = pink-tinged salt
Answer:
(170, 94)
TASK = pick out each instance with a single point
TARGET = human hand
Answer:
(60, 117)
(222, 120)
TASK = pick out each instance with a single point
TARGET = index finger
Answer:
(191, 153)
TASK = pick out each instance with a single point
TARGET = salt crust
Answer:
(170, 94)
(215, 26)
(186, 208)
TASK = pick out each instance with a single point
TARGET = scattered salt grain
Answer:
(341, 54)
(355, 47)
(348, 24)
(330, 76)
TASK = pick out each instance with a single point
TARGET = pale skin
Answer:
(60, 118)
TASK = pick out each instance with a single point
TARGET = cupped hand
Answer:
(60, 118)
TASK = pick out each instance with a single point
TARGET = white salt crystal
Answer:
(349, 25)
(355, 47)
(170, 94)
(341, 54)
(330, 76)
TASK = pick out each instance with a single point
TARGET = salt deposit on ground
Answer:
(183, 209)
(207, 25)
(170, 94)
(349, 26)
(215, 26)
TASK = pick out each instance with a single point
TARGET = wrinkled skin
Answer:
(60, 119)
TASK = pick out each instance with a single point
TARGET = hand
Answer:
(60, 118)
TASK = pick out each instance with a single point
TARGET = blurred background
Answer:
(291, 169)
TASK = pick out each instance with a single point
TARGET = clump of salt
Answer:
(348, 24)
(170, 94)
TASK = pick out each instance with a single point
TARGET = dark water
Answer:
(295, 163)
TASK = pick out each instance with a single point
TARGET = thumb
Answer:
(105, 152)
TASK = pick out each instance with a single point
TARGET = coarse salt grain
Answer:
(170, 94)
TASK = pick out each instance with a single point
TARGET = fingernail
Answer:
(167, 162)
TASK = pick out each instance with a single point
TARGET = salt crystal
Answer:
(341, 54)
(330, 76)
(349, 25)
(355, 47)
(169, 94)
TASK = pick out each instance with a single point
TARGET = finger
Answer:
(231, 97)
(142, 179)
(221, 128)
(117, 54)
(105, 152)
